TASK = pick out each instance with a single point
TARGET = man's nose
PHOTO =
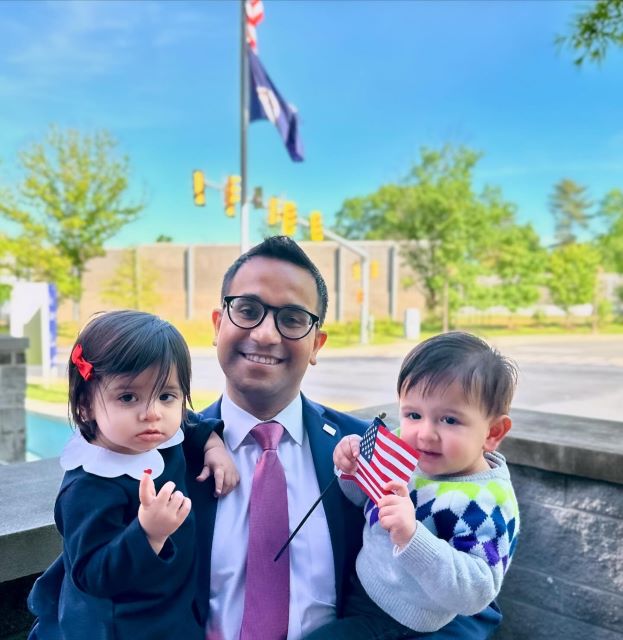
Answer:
(266, 332)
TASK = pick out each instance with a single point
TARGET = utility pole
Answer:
(244, 126)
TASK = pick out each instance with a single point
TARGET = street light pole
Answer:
(364, 316)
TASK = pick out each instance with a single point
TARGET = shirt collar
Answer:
(239, 422)
(110, 464)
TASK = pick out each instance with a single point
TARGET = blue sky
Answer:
(373, 82)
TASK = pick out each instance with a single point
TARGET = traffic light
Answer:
(199, 188)
(374, 269)
(356, 270)
(273, 211)
(316, 232)
(288, 222)
(231, 195)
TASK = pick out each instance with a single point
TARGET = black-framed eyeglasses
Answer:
(291, 322)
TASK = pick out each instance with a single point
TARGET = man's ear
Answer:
(319, 340)
(217, 317)
(498, 428)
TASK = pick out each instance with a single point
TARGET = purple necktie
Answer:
(267, 585)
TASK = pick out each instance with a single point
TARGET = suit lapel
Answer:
(322, 442)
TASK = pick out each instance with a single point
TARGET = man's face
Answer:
(263, 369)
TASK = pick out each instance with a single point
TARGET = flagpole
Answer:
(244, 125)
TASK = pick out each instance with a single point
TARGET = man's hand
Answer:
(160, 515)
(218, 463)
(397, 514)
(346, 453)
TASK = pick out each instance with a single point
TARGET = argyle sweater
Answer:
(454, 564)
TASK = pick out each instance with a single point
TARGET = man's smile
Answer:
(259, 358)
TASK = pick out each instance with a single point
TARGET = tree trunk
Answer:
(445, 320)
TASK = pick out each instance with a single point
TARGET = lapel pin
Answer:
(329, 429)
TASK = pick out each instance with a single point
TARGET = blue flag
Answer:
(266, 103)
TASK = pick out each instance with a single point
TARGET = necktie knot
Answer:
(267, 434)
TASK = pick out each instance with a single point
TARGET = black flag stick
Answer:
(302, 522)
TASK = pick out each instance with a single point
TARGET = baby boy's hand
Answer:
(346, 453)
(396, 513)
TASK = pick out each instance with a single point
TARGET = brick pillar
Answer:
(12, 399)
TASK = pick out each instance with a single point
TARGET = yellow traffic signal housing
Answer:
(289, 221)
(374, 269)
(274, 213)
(357, 270)
(231, 194)
(316, 232)
(199, 188)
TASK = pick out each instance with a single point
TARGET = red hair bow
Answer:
(85, 368)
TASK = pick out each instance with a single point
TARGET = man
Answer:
(273, 303)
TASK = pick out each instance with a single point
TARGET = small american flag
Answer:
(383, 457)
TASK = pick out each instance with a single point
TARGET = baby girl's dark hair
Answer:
(125, 343)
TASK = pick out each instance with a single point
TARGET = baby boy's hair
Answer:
(487, 377)
(125, 343)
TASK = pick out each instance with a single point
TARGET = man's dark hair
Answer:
(125, 343)
(281, 248)
(487, 377)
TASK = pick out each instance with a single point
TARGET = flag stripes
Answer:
(254, 10)
(383, 457)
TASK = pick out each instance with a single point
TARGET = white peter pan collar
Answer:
(110, 464)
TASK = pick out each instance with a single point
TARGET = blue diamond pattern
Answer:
(445, 521)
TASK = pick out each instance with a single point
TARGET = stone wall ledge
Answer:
(569, 445)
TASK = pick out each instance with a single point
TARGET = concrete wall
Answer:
(12, 395)
(189, 280)
(565, 581)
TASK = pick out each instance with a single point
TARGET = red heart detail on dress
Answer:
(147, 471)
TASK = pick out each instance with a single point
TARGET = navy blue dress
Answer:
(108, 583)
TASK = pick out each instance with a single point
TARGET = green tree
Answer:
(570, 208)
(134, 284)
(594, 30)
(72, 198)
(610, 241)
(164, 238)
(518, 261)
(573, 274)
(437, 209)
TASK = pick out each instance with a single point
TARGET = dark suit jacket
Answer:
(344, 519)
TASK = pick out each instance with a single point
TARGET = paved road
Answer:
(579, 375)
(576, 376)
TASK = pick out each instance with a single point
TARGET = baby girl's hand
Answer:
(396, 513)
(346, 453)
(162, 514)
(218, 463)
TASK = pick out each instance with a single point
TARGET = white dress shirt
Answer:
(312, 575)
